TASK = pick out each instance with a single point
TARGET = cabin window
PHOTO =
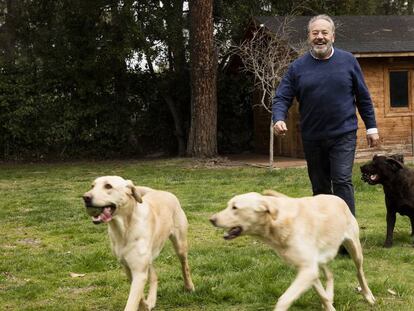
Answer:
(398, 88)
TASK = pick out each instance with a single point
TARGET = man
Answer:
(329, 86)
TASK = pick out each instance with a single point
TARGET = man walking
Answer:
(329, 86)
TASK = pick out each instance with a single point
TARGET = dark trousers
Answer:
(330, 163)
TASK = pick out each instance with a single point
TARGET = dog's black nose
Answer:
(87, 199)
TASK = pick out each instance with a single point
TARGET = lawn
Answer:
(52, 257)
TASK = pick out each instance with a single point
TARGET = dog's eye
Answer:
(234, 207)
(108, 186)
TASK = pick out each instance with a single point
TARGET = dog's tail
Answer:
(274, 193)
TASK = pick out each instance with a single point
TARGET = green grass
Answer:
(46, 234)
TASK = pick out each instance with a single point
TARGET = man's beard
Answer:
(321, 52)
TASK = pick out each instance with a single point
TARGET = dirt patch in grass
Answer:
(218, 163)
(30, 241)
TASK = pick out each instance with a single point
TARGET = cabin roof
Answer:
(356, 34)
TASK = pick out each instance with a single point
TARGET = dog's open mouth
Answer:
(233, 233)
(370, 178)
(101, 214)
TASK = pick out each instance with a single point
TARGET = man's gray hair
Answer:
(324, 17)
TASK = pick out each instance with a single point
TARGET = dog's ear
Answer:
(134, 192)
(395, 165)
(398, 157)
(267, 207)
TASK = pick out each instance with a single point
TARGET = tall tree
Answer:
(202, 140)
(266, 56)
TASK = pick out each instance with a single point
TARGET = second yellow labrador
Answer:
(140, 220)
(305, 232)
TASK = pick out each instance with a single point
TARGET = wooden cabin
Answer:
(384, 48)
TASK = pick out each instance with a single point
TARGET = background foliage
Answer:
(103, 78)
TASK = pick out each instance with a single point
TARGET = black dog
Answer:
(398, 183)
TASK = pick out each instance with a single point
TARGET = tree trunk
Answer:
(179, 132)
(202, 140)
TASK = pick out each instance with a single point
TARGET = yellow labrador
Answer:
(305, 232)
(140, 220)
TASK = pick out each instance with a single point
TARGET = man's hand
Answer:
(280, 128)
(373, 140)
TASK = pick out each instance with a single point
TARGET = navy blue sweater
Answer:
(328, 92)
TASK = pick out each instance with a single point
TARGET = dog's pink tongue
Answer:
(106, 214)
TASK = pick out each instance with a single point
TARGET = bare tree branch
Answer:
(267, 55)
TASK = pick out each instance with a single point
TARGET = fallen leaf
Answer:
(77, 275)
(392, 292)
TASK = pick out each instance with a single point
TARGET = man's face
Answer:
(321, 38)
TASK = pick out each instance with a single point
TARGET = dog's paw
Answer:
(387, 244)
(189, 287)
(367, 295)
(370, 298)
(330, 307)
